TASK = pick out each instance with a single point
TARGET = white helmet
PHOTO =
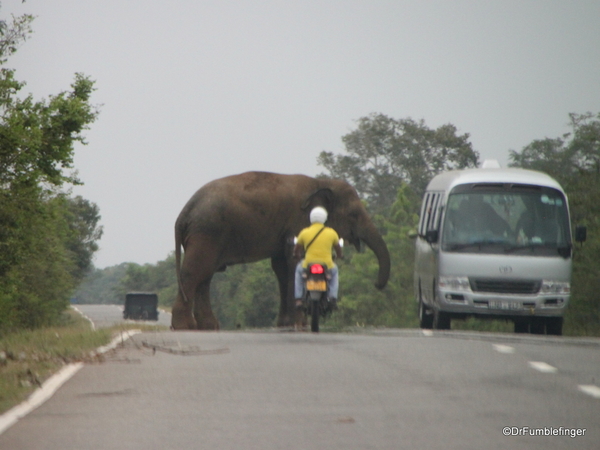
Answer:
(318, 214)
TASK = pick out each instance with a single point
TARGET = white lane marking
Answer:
(507, 349)
(542, 367)
(427, 333)
(590, 389)
(52, 384)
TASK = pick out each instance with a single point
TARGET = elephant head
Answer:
(348, 216)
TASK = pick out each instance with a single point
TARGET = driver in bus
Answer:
(482, 219)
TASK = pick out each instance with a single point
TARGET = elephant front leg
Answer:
(284, 269)
(279, 266)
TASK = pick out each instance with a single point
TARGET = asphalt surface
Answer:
(388, 389)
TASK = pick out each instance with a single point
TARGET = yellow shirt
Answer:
(320, 249)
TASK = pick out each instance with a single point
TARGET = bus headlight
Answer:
(454, 283)
(555, 287)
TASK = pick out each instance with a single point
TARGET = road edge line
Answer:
(84, 316)
(52, 384)
(39, 396)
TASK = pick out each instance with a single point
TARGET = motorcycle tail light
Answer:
(316, 269)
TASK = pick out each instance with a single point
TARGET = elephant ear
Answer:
(321, 197)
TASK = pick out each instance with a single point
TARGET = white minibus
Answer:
(494, 243)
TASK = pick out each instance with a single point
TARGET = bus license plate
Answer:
(505, 305)
(316, 285)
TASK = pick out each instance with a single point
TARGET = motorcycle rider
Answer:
(317, 242)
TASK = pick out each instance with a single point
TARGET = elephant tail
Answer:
(178, 245)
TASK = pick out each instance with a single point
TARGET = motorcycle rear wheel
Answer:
(314, 316)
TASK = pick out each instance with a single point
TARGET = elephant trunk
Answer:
(375, 242)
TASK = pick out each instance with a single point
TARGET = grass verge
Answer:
(30, 357)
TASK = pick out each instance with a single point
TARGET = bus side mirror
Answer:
(580, 233)
(431, 236)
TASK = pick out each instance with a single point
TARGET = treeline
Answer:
(47, 237)
(390, 162)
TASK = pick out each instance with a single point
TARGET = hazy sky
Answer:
(193, 90)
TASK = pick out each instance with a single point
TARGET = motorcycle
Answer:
(316, 302)
(316, 278)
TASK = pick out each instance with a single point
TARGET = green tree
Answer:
(246, 295)
(35, 287)
(395, 305)
(564, 158)
(46, 239)
(100, 285)
(382, 153)
(82, 217)
(37, 138)
(258, 296)
(159, 278)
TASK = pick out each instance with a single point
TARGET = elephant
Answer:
(253, 216)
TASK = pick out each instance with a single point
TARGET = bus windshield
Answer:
(506, 219)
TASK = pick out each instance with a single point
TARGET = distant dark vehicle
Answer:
(141, 306)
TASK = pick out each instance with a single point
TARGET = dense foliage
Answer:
(47, 238)
(383, 153)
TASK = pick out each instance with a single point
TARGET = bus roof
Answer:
(448, 180)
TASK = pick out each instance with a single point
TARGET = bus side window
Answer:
(430, 215)
(437, 218)
(425, 214)
(432, 212)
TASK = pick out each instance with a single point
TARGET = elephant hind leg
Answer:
(192, 308)
(182, 317)
(203, 314)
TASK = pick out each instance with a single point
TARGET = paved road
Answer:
(277, 390)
